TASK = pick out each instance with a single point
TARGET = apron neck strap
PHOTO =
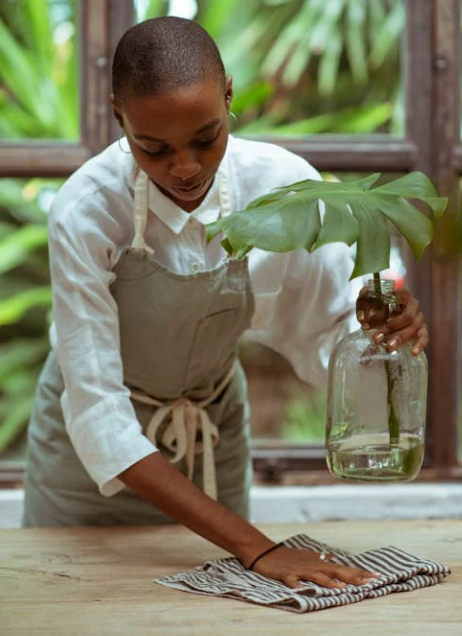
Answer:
(140, 211)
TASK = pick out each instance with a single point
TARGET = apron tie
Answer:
(179, 436)
(140, 212)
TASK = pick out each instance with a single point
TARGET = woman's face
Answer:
(179, 138)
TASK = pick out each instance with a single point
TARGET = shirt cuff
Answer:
(107, 438)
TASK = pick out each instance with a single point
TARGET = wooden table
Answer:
(98, 582)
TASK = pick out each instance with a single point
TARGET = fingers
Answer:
(316, 577)
(294, 567)
(395, 324)
(332, 576)
(417, 329)
(396, 334)
(355, 576)
(422, 340)
(326, 556)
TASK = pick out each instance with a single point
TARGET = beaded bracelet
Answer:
(264, 553)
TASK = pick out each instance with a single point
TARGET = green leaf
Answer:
(416, 228)
(359, 119)
(16, 407)
(13, 309)
(339, 226)
(15, 420)
(226, 245)
(373, 244)
(288, 218)
(15, 248)
(39, 30)
(39, 75)
(329, 65)
(416, 185)
(21, 354)
(355, 41)
(389, 35)
(212, 229)
(21, 198)
(334, 187)
(276, 227)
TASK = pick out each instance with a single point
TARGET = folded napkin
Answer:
(401, 572)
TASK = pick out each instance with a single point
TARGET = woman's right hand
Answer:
(292, 566)
(157, 481)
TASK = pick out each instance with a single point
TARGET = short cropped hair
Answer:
(162, 54)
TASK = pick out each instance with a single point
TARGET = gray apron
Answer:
(179, 337)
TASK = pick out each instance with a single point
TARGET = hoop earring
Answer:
(232, 121)
(126, 152)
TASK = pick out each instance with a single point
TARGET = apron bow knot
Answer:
(184, 419)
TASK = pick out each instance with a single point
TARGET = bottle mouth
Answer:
(384, 285)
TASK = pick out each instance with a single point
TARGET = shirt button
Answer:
(195, 267)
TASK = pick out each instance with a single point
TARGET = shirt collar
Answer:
(174, 217)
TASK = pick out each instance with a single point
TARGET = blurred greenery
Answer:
(299, 67)
(38, 70)
(25, 299)
(308, 66)
(305, 418)
(38, 99)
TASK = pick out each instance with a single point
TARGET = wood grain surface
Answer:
(98, 582)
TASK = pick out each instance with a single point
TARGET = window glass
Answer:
(306, 66)
(25, 304)
(38, 70)
(284, 410)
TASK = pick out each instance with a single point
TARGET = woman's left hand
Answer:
(396, 329)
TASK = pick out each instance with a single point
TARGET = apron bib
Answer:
(179, 336)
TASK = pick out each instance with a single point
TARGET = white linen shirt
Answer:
(303, 302)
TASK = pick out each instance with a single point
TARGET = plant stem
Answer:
(377, 285)
(393, 419)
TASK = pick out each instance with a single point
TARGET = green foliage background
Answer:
(299, 67)
(308, 66)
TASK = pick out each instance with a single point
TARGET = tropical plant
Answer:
(25, 300)
(38, 99)
(290, 218)
(307, 66)
(38, 70)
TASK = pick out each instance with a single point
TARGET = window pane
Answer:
(38, 70)
(25, 303)
(284, 410)
(306, 66)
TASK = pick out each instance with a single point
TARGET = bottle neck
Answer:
(381, 286)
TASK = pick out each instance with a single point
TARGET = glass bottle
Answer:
(376, 407)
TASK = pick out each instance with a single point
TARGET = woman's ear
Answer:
(116, 112)
(229, 91)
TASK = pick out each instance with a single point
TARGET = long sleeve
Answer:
(99, 416)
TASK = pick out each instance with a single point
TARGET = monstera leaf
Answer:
(291, 218)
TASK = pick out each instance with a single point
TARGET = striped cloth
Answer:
(401, 572)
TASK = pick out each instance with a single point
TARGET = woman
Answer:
(141, 413)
